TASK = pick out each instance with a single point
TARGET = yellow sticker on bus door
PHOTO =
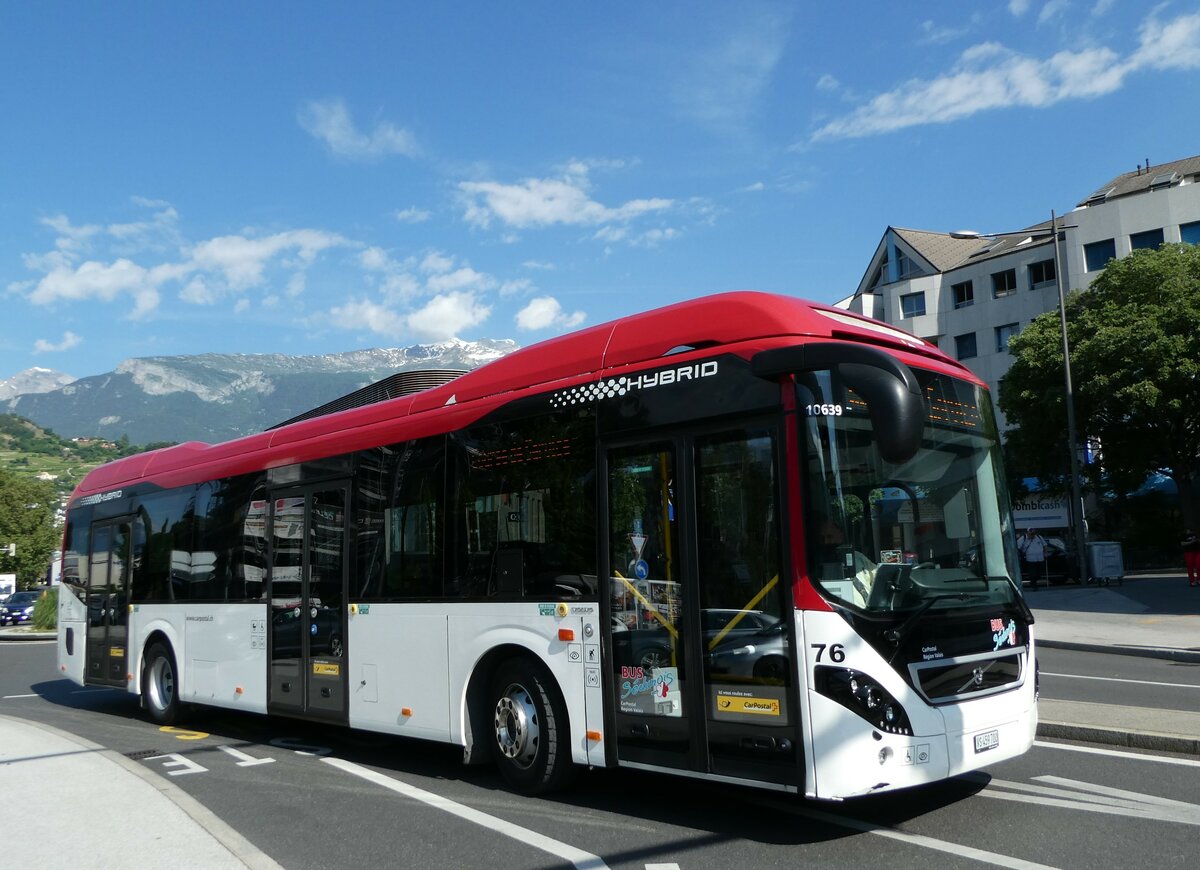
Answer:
(326, 669)
(741, 704)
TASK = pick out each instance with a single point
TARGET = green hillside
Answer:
(28, 450)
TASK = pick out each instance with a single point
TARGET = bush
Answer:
(45, 612)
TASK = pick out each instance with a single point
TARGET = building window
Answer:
(1150, 239)
(1004, 283)
(963, 294)
(1097, 254)
(1189, 234)
(1003, 334)
(912, 305)
(1041, 273)
(964, 346)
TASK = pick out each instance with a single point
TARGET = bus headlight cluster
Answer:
(858, 692)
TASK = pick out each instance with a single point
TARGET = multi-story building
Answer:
(970, 295)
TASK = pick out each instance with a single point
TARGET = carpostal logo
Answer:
(616, 387)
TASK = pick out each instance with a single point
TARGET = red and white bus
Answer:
(746, 538)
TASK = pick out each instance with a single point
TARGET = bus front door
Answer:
(111, 561)
(701, 638)
(308, 590)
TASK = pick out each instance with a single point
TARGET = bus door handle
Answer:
(639, 730)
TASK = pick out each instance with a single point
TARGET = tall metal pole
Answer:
(1072, 439)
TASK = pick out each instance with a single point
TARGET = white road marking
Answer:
(245, 760)
(1119, 680)
(662, 867)
(185, 765)
(7, 697)
(971, 852)
(1093, 798)
(1117, 753)
(576, 857)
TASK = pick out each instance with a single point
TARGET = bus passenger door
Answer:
(308, 580)
(701, 628)
(111, 560)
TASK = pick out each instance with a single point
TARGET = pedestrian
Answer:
(1191, 556)
(1032, 548)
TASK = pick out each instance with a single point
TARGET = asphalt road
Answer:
(1068, 675)
(310, 796)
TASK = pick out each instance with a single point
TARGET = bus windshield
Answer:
(930, 533)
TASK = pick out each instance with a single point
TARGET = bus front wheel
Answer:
(160, 686)
(530, 742)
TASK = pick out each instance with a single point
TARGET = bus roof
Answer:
(709, 322)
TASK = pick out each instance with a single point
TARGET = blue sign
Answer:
(640, 569)
(314, 628)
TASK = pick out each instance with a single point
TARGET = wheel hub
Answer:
(516, 722)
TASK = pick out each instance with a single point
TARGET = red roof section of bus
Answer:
(742, 322)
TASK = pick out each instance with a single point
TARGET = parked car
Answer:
(18, 609)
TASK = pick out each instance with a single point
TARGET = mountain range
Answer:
(215, 397)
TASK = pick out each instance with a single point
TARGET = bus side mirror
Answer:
(893, 396)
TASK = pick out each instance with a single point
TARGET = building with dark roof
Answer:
(970, 295)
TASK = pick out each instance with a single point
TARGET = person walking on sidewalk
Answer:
(1032, 548)
(1191, 556)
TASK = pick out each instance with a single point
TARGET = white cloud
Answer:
(242, 260)
(330, 122)
(69, 340)
(411, 215)
(94, 280)
(462, 278)
(828, 83)
(540, 202)
(539, 265)
(370, 316)
(989, 76)
(512, 288)
(436, 262)
(241, 305)
(1019, 7)
(544, 312)
(1052, 9)
(939, 34)
(754, 188)
(447, 315)
(197, 292)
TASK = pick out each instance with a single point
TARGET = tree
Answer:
(27, 520)
(1135, 363)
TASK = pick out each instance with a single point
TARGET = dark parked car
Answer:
(18, 608)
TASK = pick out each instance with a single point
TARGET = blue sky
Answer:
(318, 177)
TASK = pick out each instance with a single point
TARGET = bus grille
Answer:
(945, 681)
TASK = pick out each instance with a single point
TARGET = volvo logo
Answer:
(977, 676)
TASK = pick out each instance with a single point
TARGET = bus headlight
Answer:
(858, 692)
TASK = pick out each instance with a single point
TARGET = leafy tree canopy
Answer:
(27, 520)
(1135, 363)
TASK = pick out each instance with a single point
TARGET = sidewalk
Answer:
(51, 780)
(1144, 616)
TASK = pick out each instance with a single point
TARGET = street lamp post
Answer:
(1068, 396)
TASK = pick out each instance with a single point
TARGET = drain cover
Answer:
(142, 754)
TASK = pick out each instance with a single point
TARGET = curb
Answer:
(16, 635)
(1152, 652)
(1146, 740)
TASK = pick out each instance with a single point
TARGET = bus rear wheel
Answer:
(160, 687)
(530, 742)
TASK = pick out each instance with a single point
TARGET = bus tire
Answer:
(160, 685)
(529, 726)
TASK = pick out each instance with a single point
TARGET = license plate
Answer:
(987, 740)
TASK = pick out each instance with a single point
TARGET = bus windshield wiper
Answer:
(899, 635)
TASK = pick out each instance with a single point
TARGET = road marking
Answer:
(577, 857)
(1117, 753)
(186, 765)
(245, 760)
(7, 697)
(1089, 797)
(662, 867)
(1119, 680)
(971, 852)
(300, 748)
(183, 733)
